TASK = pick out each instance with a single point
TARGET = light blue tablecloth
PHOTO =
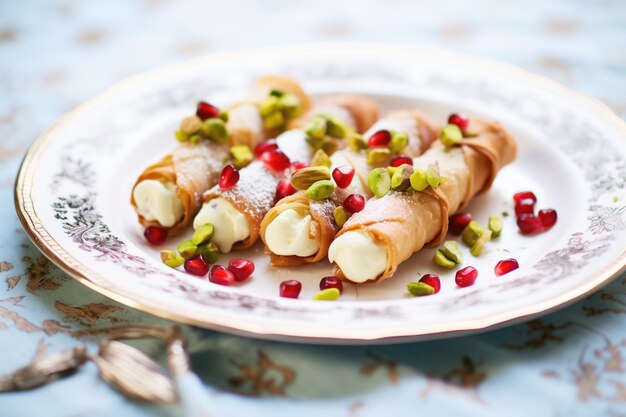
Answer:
(56, 54)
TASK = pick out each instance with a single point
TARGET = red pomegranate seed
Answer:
(460, 120)
(529, 224)
(221, 276)
(523, 195)
(299, 165)
(229, 177)
(505, 266)
(196, 266)
(290, 288)
(354, 203)
(284, 189)
(241, 269)
(547, 217)
(155, 235)
(466, 276)
(400, 160)
(276, 160)
(270, 145)
(331, 282)
(458, 222)
(524, 206)
(432, 280)
(379, 139)
(343, 176)
(207, 111)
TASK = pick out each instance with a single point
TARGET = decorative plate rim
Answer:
(38, 234)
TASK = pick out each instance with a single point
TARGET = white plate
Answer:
(72, 196)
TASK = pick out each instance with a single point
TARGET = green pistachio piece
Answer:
(440, 259)
(268, 106)
(214, 129)
(379, 182)
(224, 116)
(356, 142)
(241, 155)
(451, 135)
(329, 146)
(316, 128)
(181, 136)
(171, 258)
(505, 214)
(432, 175)
(419, 288)
(401, 178)
(320, 158)
(336, 128)
(275, 93)
(209, 252)
(274, 121)
(320, 190)
(341, 215)
(399, 141)
(378, 156)
(495, 225)
(289, 105)
(303, 178)
(187, 249)
(195, 138)
(329, 294)
(191, 124)
(418, 180)
(472, 232)
(203, 234)
(477, 247)
(450, 250)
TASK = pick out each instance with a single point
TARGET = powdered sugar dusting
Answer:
(406, 125)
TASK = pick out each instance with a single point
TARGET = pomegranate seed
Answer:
(299, 165)
(379, 139)
(523, 195)
(529, 224)
(354, 203)
(524, 206)
(155, 235)
(466, 276)
(331, 282)
(547, 217)
(284, 189)
(276, 160)
(196, 266)
(241, 269)
(270, 145)
(460, 120)
(207, 111)
(221, 276)
(432, 280)
(228, 177)
(343, 175)
(400, 160)
(458, 222)
(505, 266)
(290, 288)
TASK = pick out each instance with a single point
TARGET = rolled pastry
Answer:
(356, 112)
(390, 229)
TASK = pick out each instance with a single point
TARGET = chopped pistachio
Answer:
(268, 106)
(329, 294)
(241, 155)
(615, 199)
(329, 146)
(224, 116)
(289, 105)
(195, 138)
(320, 158)
(450, 250)
(275, 93)
(181, 136)
(432, 175)
(399, 141)
(171, 258)
(440, 259)
(418, 180)
(191, 124)
(214, 129)
(320, 190)
(341, 215)
(187, 249)
(379, 182)
(495, 225)
(274, 121)
(472, 232)
(451, 135)
(418, 289)
(336, 128)
(401, 178)
(505, 214)
(378, 156)
(203, 234)
(303, 178)
(477, 247)
(209, 252)
(316, 128)
(356, 142)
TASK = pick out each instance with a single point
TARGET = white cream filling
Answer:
(158, 201)
(288, 235)
(230, 225)
(358, 256)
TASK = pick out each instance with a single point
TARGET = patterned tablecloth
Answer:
(56, 54)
